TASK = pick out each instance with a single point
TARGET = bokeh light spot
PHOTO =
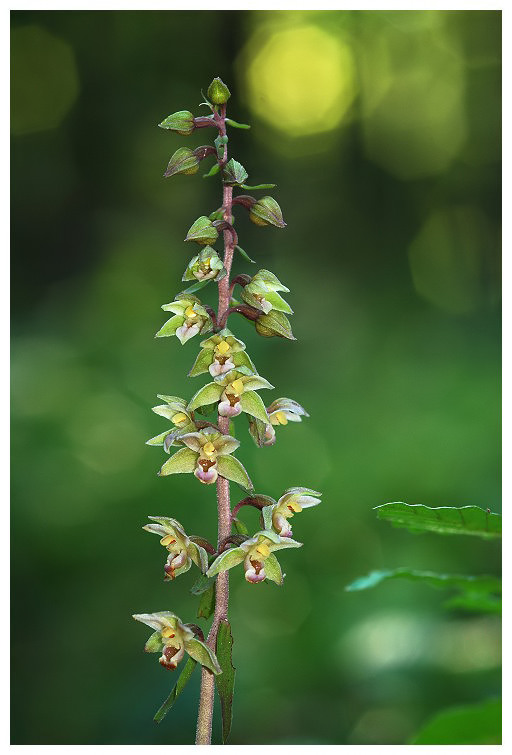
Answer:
(449, 259)
(301, 80)
(45, 81)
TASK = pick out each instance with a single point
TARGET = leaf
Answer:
(234, 173)
(232, 469)
(258, 186)
(208, 394)
(244, 254)
(474, 603)
(176, 691)
(203, 655)
(196, 286)
(182, 462)
(478, 724)
(213, 171)
(445, 520)
(252, 404)
(225, 682)
(207, 603)
(482, 584)
(233, 123)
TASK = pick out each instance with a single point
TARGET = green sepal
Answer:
(203, 361)
(226, 560)
(182, 462)
(235, 124)
(242, 359)
(240, 526)
(225, 682)
(170, 327)
(158, 440)
(266, 211)
(196, 286)
(202, 231)
(198, 556)
(258, 432)
(203, 655)
(154, 643)
(178, 688)
(252, 404)
(273, 569)
(233, 469)
(266, 514)
(182, 161)
(208, 394)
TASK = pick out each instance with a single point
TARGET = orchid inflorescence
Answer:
(202, 445)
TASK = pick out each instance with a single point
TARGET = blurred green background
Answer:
(382, 131)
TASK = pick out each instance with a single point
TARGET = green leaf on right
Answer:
(445, 520)
(225, 682)
(478, 724)
(176, 690)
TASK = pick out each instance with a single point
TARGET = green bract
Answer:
(220, 354)
(173, 639)
(257, 556)
(182, 551)
(190, 318)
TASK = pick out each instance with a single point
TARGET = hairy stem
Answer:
(206, 698)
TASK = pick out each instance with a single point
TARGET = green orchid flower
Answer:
(220, 354)
(190, 318)
(207, 455)
(261, 293)
(173, 639)
(280, 412)
(175, 409)
(256, 553)
(207, 265)
(235, 392)
(293, 500)
(182, 550)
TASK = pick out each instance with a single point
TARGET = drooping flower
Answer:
(202, 231)
(236, 392)
(207, 455)
(173, 639)
(190, 318)
(220, 354)
(207, 265)
(182, 550)
(261, 293)
(256, 553)
(280, 412)
(292, 502)
(175, 409)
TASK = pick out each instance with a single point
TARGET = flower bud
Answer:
(182, 122)
(183, 161)
(218, 93)
(202, 231)
(266, 211)
(274, 324)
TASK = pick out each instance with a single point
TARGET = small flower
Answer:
(185, 161)
(266, 211)
(220, 354)
(235, 392)
(280, 412)
(173, 639)
(182, 122)
(206, 265)
(202, 231)
(175, 409)
(274, 323)
(190, 318)
(182, 550)
(256, 553)
(207, 455)
(261, 293)
(291, 502)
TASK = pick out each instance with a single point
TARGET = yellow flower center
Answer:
(294, 506)
(190, 313)
(223, 347)
(263, 550)
(167, 540)
(237, 386)
(209, 448)
(168, 632)
(281, 418)
(179, 419)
